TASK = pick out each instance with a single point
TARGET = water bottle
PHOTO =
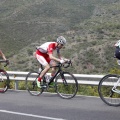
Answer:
(47, 77)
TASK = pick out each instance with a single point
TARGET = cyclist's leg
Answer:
(53, 71)
(44, 60)
(53, 63)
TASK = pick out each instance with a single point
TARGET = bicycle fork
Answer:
(63, 79)
(115, 86)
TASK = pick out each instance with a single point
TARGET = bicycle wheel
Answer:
(31, 83)
(107, 92)
(4, 81)
(66, 85)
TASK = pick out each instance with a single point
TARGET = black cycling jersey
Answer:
(117, 52)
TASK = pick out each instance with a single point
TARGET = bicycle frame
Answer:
(57, 72)
(115, 85)
(51, 80)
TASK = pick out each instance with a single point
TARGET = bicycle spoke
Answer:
(31, 84)
(66, 86)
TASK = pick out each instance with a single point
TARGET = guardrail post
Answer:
(16, 85)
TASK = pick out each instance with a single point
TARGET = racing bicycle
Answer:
(65, 83)
(109, 89)
(4, 78)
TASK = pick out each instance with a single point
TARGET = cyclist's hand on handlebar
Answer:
(66, 60)
(62, 61)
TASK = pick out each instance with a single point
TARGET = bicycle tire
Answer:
(31, 83)
(4, 81)
(66, 85)
(105, 90)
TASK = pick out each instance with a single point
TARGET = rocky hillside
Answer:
(91, 28)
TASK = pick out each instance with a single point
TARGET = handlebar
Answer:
(65, 65)
(5, 61)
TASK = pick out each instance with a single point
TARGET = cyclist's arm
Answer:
(61, 57)
(53, 58)
(3, 56)
(58, 54)
(51, 48)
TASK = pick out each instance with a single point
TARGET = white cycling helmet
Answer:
(61, 40)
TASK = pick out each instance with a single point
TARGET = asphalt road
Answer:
(20, 105)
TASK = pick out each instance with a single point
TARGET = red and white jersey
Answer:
(47, 47)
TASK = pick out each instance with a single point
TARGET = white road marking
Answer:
(30, 115)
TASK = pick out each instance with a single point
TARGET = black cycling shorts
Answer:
(117, 53)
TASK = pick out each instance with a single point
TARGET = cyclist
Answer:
(44, 55)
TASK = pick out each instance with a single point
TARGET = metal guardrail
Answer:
(82, 78)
